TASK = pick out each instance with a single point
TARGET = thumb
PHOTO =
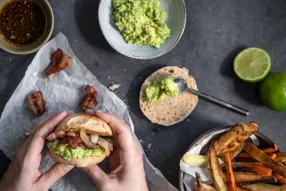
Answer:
(57, 171)
(96, 174)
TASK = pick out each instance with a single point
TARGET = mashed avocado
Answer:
(68, 153)
(141, 22)
(160, 88)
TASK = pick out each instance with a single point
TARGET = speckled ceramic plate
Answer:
(176, 21)
(257, 138)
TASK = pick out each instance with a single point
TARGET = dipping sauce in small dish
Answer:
(22, 22)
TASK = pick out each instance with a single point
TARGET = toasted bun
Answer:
(172, 109)
(89, 123)
(84, 162)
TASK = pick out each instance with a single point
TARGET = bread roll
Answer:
(89, 123)
(172, 109)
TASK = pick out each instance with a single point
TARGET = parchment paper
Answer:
(64, 92)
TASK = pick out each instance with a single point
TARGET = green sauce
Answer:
(68, 153)
(160, 88)
(141, 22)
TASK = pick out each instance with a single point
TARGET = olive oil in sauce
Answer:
(22, 22)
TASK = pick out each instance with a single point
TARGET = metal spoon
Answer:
(183, 87)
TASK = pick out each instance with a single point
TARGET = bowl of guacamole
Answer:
(142, 29)
(141, 22)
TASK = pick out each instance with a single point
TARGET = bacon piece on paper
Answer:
(59, 62)
(89, 100)
(37, 103)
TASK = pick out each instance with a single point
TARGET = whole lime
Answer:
(273, 91)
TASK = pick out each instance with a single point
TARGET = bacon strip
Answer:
(89, 100)
(59, 62)
(37, 103)
(82, 145)
(73, 142)
(71, 134)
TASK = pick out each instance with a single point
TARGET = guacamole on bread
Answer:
(141, 22)
(161, 87)
(81, 140)
(172, 109)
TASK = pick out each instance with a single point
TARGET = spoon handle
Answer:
(219, 102)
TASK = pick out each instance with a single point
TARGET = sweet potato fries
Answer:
(229, 173)
(216, 171)
(262, 168)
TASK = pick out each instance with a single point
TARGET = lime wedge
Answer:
(252, 64)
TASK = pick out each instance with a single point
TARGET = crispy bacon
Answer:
(89, 100)
(59, 62)
(37, 103)
(73, 142)
(82, 145)
(71, 134)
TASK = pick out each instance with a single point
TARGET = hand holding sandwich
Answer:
(126, 161)
(23, 173)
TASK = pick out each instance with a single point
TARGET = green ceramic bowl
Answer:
(176, 21)
(30, 48)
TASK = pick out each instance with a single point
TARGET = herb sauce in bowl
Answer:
(22, 22)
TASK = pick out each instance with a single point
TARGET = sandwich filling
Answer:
(78, 144)
(69, 153)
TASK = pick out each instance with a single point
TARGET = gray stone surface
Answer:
(216, 31)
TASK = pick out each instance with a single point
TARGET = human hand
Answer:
(126, 161)
(23, 174)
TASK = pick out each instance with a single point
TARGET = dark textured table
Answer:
(216, 31)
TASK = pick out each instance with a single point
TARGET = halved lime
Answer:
(252, 64)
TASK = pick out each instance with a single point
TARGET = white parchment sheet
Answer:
(64, 92)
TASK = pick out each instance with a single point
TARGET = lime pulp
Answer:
(252, 64)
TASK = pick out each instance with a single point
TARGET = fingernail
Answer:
(99, 111)
(89, 111)
(57, 113)
(70, 112)
(61, 112)
(68, 167)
